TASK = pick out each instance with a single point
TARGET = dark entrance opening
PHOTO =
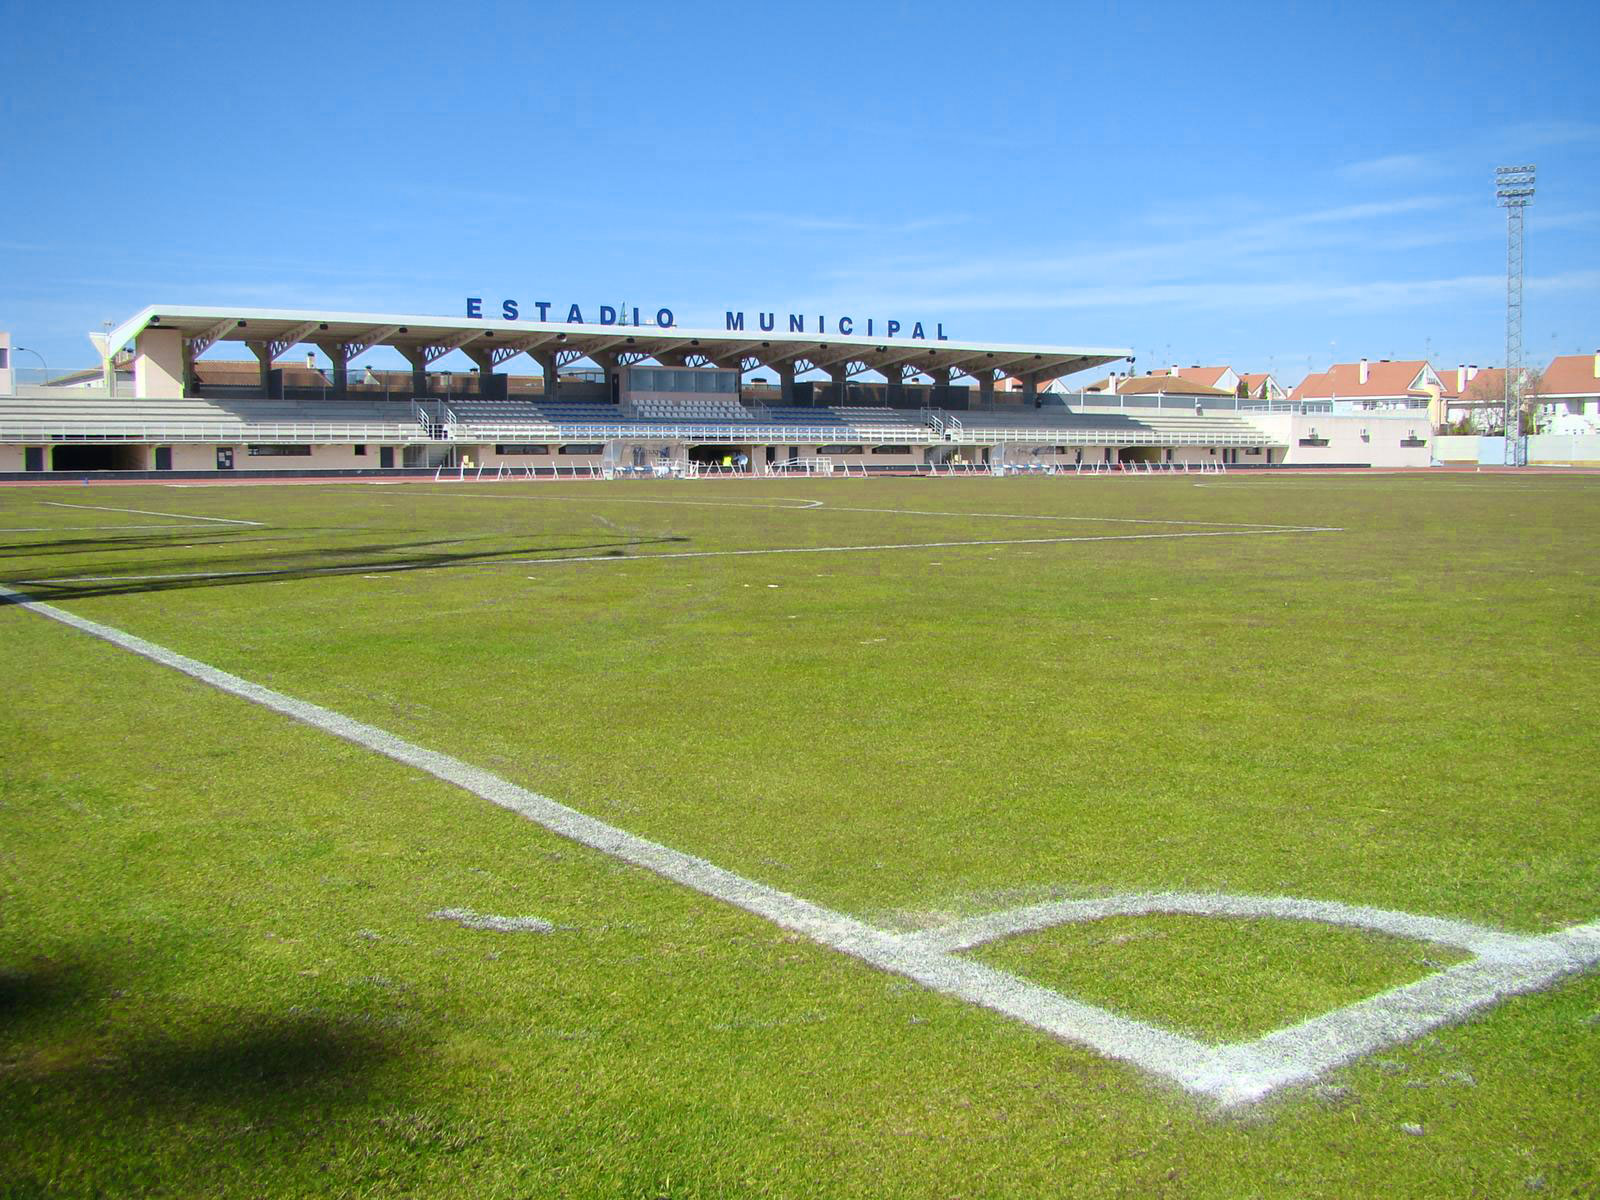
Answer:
(386, 457)
(33, 458)
(707, 455)
(96, 458)
(163, 458)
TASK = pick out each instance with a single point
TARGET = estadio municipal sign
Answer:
(735, 322)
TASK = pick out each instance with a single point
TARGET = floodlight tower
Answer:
(1513, 191)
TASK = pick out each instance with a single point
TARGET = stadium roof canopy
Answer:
(270, 333)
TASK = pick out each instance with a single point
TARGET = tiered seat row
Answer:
(1055, 420)
(545, 421)
(517, 417)
(698, 409)
(195, 417)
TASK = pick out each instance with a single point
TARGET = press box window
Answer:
(278, 451)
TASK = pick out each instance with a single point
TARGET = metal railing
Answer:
(201, 431)
(1296, 407)
(21, 432)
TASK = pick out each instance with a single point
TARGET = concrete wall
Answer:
(1368, 439)
(1455, 449)
(1544, 450)
(1574, 450)
(158, 365)
(203, 457)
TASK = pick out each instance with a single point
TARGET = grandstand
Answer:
(689, 404)
(427, 431)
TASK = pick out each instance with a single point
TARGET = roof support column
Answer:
(264, 357)
(547, 366)
(786, 374)
(986, 388)
(340, 354)
(840, 374)
(607, 362)
(417, 356)
(191, 379)
(490, 385)
(895, 394)
(1030, 389)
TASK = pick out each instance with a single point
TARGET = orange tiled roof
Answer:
(1205, 376)
(1384, 379)
(1149, 385)
(1570, 375)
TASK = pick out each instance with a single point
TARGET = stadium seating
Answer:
(697, 408)
(179, 417)
(537, 421)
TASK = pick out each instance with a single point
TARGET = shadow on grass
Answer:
(107, 544)
(250, 1060)
(241, 569)
(44, 987)
(213, 1108)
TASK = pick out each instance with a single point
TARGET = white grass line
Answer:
(976, 931)
(1048, 541)
(1504, 965)
(568, 498)
(1112, 1035)
(144, 512)
(89, 528)
(812, 505)
(1235, 1074)
(917, 512)
(637, 558)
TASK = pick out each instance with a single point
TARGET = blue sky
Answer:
(1274, 187)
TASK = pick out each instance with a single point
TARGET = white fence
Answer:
(202, 431)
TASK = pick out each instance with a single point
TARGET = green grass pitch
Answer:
(218, 975)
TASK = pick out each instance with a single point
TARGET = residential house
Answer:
(1386, 386)
(1569, 394)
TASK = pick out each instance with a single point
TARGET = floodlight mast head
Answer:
(1513, 186)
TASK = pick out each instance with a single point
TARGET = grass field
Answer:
(218, 975)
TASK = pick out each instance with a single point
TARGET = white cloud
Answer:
(1269, 246)
(802, 223)
(1387, 168)
(1372, 295)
